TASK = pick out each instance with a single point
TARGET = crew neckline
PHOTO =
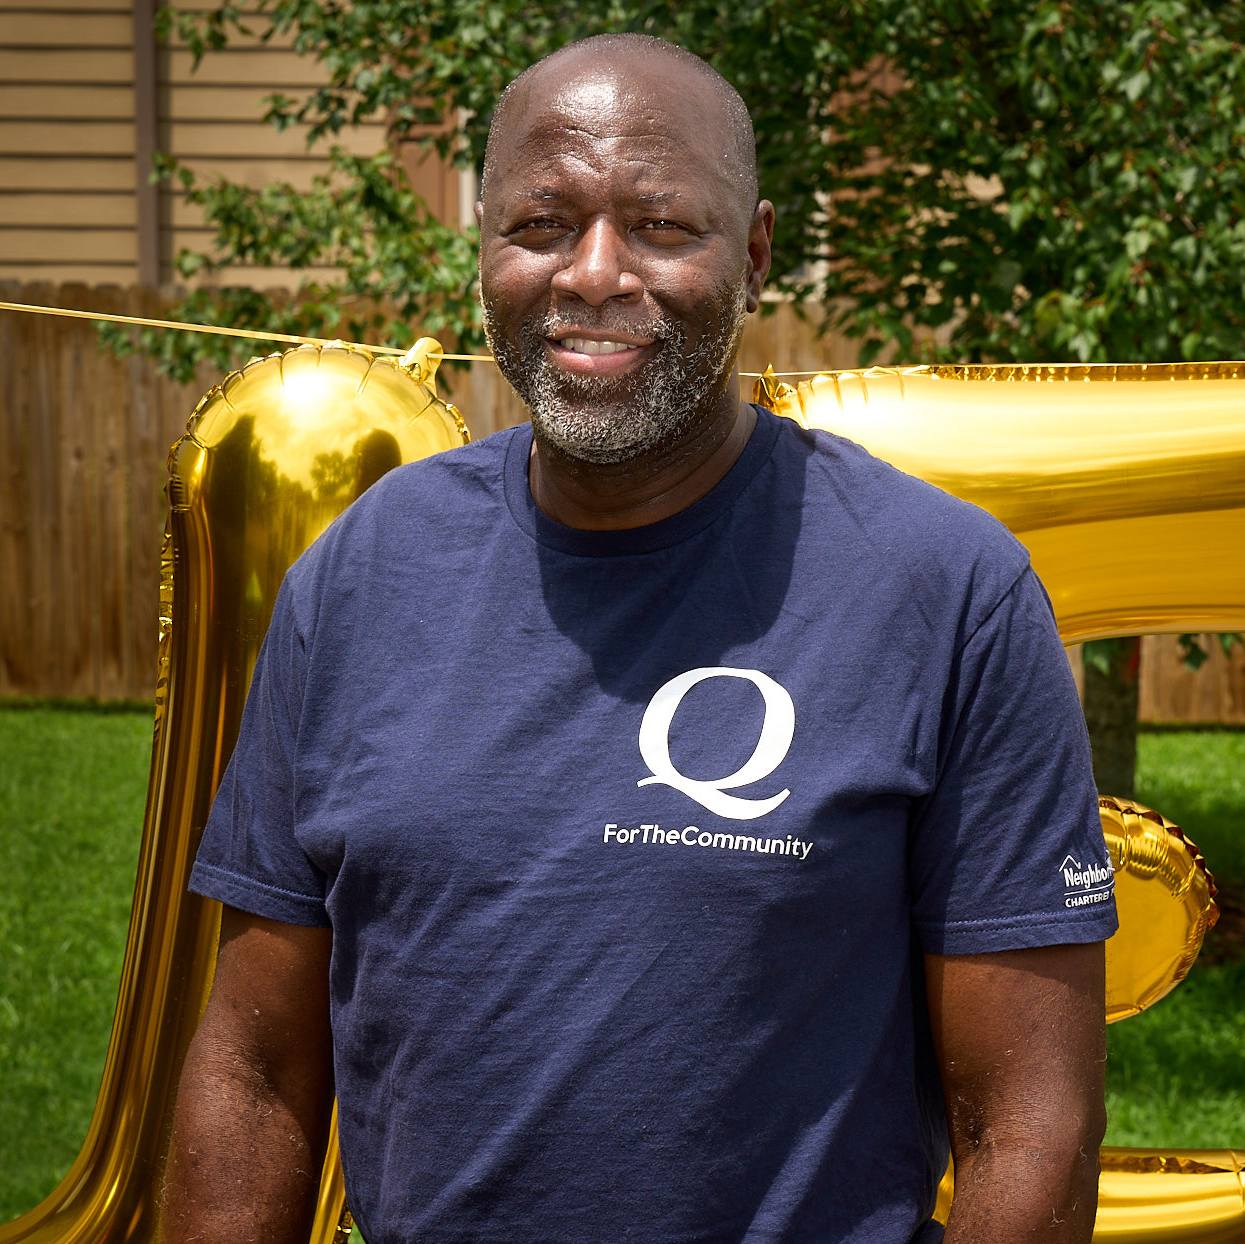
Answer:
(632, 540)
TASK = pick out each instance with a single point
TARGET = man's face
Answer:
(616, 259)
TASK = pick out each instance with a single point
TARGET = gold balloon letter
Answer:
(1127, 485)
(269, 458)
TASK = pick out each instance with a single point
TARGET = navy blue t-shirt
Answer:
(631, 841)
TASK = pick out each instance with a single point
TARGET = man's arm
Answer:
(256, 1091)
(1021, 1044)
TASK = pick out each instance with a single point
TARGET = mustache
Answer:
(607, 320)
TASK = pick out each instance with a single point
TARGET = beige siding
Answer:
(205, 138)
(78, 6)
(270, 69)
(77, 174)
(67, 138)
(67, 245)
(64, 66)
(54, 102)
(82, 210)
(69, 181)
(43, 26)
(67, 207)
(195, 98)
(440, 187)
(212, 120)
(256, 171)
(54, 271)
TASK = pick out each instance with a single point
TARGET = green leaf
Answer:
(1191, 651)
(1136, 84)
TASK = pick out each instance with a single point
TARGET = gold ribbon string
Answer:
(220, 330)
(288, 338)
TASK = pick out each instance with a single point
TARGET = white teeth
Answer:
(581, 345)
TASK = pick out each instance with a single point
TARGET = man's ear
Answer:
(760, 239)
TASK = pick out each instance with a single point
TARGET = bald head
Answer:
(621, 248)
(630, 62)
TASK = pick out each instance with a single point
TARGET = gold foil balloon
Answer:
(1127, 485)
(1162, 887)
(1183, 1196)
(270, 456)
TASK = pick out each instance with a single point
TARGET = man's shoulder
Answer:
(444, 485)
(468, 472)
(843, 477)
(879, 522)
(419, 510)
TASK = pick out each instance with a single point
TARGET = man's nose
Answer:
(599, 266)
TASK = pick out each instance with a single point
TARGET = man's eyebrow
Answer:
(544, 195)
(541, 194)
(659, 198)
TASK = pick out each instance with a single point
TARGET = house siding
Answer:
(71, 142)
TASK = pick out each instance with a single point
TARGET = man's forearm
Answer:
(241, 1166)
(256, 1091)
(1009, 1194)
(1021, 1044)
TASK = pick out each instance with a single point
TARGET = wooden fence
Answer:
(83, 441)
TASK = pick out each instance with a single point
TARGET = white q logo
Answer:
(771, 749)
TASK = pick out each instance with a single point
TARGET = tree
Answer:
(975, 180)
(1059, 181)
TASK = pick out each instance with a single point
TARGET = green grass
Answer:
(1197, 779)
(1176, 1073)
(72, 786)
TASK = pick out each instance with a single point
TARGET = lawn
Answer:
(1176, 1075)
(72, 786)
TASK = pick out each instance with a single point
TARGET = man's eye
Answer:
(542, 227)
(664, 232)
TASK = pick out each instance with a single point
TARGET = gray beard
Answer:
(600, 419)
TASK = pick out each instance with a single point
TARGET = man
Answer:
(650, 821)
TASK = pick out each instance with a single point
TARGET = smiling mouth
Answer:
(598, 356)
(584, 345)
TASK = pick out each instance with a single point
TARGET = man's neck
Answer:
(616, 496)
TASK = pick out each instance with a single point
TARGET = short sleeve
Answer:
(1007, 852)
(249, 856)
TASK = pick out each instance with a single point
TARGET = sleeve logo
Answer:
(777, 731)
(1086, 884)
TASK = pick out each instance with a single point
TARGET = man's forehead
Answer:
(606, 78)
(599, 90)
(644, 141)
(636, 119)
(603, 95)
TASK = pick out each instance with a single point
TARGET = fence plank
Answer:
(108, 448)
(15, 549)
(152, 428)
(47, 640)
(1172, 694)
